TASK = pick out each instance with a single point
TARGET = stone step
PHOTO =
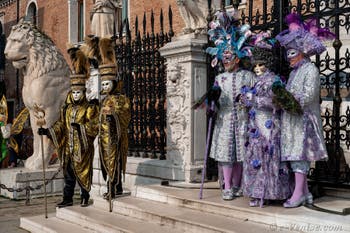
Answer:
(273, 215)
(39, 224)
(106, 222)
(184, 219)
(337, 192)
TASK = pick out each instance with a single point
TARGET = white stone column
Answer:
(72, 21)
(186, 83)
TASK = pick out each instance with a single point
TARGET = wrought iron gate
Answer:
(143, 71)
(334, 71)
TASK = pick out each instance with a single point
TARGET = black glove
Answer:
(211, 113)
(43, 131)
(214, 94)
(93, 102)
(109, 118)
(75, 126)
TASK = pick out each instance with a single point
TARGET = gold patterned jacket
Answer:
(113, 141)
(17, 127)
(76, 144)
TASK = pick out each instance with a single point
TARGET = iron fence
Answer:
(142, 69)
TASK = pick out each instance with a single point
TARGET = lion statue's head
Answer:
(32, 50)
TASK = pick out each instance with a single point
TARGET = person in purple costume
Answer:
(265, 177)
(302, 138)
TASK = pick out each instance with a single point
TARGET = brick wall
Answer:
(138, 7)
(10, 18)
(52, 20)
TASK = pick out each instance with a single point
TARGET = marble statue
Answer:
(194, 13)
(103, 19)
(45, 80)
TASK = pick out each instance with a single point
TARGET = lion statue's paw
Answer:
(34, 162)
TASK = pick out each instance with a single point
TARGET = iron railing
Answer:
(142, 69)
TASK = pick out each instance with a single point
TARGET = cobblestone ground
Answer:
(12, 210)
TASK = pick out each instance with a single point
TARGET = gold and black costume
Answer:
(113, 141)
(16, 128)
(74, 132)
(114, 136)
(76, 144)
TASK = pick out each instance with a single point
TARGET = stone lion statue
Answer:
(45, 80)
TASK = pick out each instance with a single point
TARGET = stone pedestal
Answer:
(186, 83)
(21, 177)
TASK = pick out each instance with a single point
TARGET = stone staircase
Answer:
(156, 208)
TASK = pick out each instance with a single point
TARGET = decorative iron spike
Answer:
(144, 23)
(171, 32)
(128, 33)
(136, 25)
(161, 21)
(152, 22)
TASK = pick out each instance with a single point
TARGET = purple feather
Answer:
(321, 33)
(294, 18)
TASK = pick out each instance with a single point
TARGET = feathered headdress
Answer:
(107, 53)
(80, 67)
(79, 61)
(304, 36)
(262, 50)
(227, 36)
(91, 49)
(108, 67)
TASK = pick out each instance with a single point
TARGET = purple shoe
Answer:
(254, 202)
(309, 199)
(297, 203)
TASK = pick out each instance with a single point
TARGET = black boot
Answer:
(84, 202)
(119, 190)
(65, 203)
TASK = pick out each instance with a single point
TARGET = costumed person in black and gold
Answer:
(114, 121)
(74, 132)
(16, 137)
(5, 131)
(11, 135)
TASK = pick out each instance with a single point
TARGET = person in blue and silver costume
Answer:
(229, 133)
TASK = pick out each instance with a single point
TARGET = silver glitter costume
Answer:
(302, 137)
(230, 129)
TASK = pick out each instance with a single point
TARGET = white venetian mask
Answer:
(77, 94)
(291, 53)
(107, 86)
(259, 69)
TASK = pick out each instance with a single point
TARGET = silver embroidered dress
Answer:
(229, 134)
(302, 137)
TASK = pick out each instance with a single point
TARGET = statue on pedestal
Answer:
(103, 20)
(45, 80)
(194, 14)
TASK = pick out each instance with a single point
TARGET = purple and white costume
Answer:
(302, 137)
(264, 175)
(229, 133)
